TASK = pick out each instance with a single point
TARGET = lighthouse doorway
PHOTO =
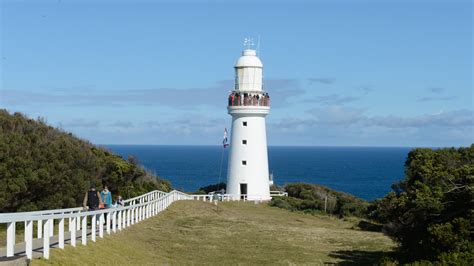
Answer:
(243, 190)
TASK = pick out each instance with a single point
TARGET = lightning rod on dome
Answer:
(258, 45)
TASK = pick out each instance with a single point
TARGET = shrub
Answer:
(430, 213)
(314, 198)
(211, 188)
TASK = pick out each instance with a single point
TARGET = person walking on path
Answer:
(106, 197)
(92, 199)
(120, 201)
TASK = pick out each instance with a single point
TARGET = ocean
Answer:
(366, 172)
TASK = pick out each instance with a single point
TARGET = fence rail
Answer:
(106, 220)
(277, 193)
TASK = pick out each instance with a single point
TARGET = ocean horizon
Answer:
(365, 172)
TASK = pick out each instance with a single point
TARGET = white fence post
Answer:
(29, 239)
(107, 223)
(138, 216)
(11, 239)
(61, 233)
(114, 221)
(84, 230)
(128, 217)
(40, 229)
(119, 214)
(73, 231)
(124, 219)
(78, 223)
(51, 229)
(46, 237)
(101, 225)
(93, 226)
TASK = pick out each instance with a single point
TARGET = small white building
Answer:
(248, 104)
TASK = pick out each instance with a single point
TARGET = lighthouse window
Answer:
(244, 142)
(244, 123)
(244, 162)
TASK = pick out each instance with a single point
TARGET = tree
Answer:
(430, 213)
(46, 168)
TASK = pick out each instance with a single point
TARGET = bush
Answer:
(430, 213)
(211, 188)
(313, 198)
(46, 168)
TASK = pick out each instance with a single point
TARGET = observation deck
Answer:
(245, 102)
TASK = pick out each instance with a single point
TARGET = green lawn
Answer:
(193, 232)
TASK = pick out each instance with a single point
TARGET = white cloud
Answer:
(80, 123)
(332, 99)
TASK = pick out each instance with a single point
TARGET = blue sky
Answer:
(340, 73)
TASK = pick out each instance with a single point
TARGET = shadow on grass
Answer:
(360, 257)
(369, 226)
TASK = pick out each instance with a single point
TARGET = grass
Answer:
(194, 232)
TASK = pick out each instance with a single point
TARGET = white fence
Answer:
(277, 193)
(233, 197)
(115, 219)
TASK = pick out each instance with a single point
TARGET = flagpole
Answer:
(224, 145)
(220, 171)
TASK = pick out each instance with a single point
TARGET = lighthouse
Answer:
(248, 104)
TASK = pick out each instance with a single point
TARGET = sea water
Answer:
(366, 172)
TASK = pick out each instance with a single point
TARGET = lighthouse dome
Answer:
(249, 58)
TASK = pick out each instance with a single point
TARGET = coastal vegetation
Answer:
(42, 167)
(312, 198)
(232, 233)
(430, 213)
(211, 188)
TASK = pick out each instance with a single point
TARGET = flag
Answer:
(225, 141)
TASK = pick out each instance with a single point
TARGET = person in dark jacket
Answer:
(92, 199)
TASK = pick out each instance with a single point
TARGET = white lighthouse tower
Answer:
(248, 105)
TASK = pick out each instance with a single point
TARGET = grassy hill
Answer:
(195, 232)
(42, 167)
